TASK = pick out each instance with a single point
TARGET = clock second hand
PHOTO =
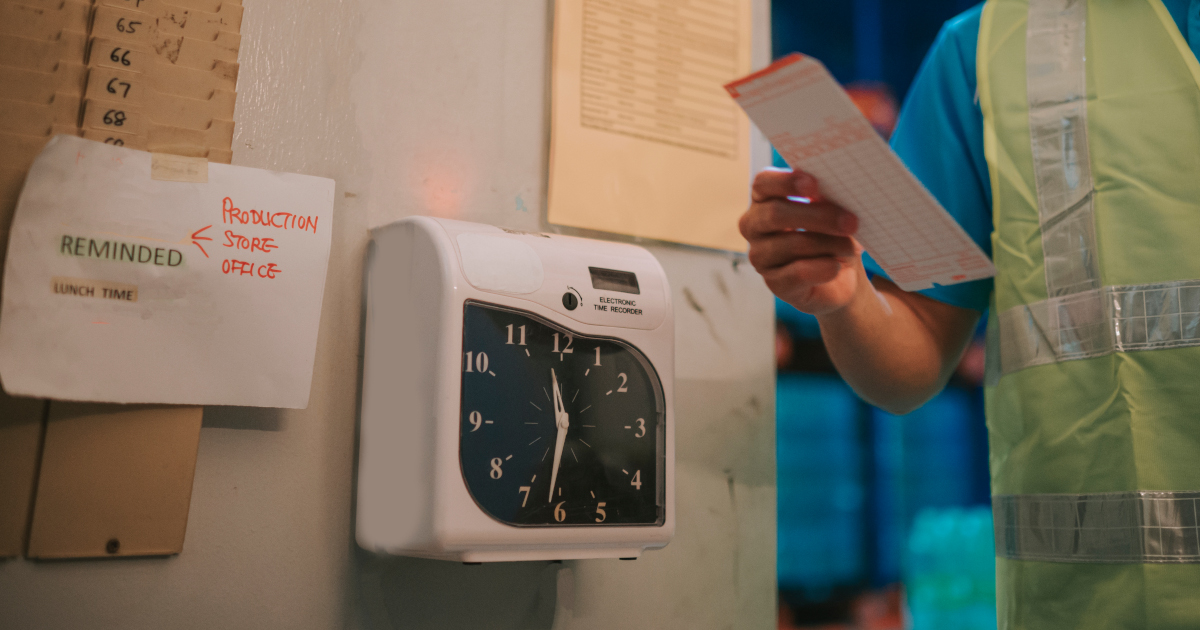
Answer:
(562, 421)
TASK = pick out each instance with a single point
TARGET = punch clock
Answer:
(516, 396)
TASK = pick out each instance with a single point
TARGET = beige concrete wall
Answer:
(433, 107)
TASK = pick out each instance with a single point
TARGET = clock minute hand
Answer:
(562, 421)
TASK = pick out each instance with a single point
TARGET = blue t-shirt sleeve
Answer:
(939, 136)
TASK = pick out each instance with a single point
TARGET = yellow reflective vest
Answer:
(1092, 137)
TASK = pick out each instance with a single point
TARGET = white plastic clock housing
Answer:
(411, 498)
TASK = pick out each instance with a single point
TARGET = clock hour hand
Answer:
(562, 421)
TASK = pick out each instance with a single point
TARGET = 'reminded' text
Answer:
(123, 252)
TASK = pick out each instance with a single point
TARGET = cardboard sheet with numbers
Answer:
(124, 288)
(816, 127)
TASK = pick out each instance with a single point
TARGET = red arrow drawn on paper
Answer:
(196, 237)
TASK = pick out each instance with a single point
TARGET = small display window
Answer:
(613, 280)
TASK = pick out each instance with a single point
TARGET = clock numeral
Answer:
(510, 335)
(624, 382)
(496, 472)
(524, 489)
(477, 361)
(598, 356)
(567, 349)
(636, 482)
(559, 514)
(476, 420)
(600, 512)
(641, 422)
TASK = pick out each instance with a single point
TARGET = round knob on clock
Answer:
(570, 301)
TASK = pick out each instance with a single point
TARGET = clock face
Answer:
(558, 428)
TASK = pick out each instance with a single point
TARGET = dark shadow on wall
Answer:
(415, 594)
(243, 418)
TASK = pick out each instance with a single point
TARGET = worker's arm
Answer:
(896, 349)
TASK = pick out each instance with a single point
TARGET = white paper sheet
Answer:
(121, 288)
(815, 126)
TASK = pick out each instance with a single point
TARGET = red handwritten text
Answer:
(243, 268)
(281, 220)
(254, 244)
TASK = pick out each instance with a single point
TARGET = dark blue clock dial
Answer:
(558, 428)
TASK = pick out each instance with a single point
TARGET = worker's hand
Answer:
(805, 251)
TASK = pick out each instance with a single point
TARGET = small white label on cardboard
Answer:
(178, 168)
(122, 288)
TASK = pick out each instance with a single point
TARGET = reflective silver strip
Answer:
(1056, 78)
(1095, 323)
(1118, 527)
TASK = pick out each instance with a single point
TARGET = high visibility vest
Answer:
(1092, 137)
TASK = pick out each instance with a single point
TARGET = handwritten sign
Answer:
(122, 288)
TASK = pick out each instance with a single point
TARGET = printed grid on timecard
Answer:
(897, 229)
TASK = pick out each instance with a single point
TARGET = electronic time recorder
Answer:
(516, 398)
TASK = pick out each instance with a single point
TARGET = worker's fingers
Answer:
(782, 183)
(808, 271)
(781, 215)
(783, 248)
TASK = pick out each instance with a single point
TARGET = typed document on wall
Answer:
(644, 139)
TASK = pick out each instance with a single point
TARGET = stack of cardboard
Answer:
(42, 79)
(147, 74)
(162, 77)
(156, 75)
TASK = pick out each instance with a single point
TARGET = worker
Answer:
(1064, 137)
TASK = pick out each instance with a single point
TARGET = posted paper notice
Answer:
(126, 289)
(815, 126)
(643, 141)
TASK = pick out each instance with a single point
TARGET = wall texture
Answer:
(419, 107)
